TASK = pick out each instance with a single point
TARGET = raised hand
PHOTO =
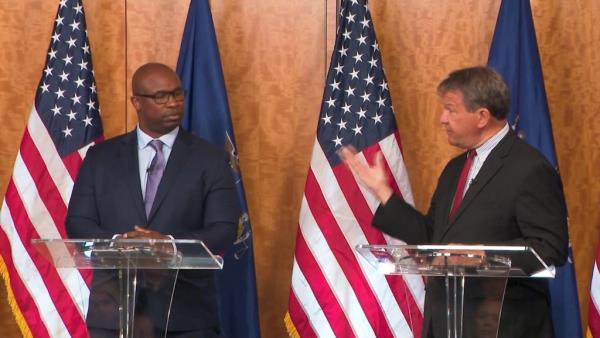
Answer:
(372, 177)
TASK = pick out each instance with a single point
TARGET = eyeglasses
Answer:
(162, 97)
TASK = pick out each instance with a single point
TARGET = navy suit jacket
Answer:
(516, 199)
(196, 199)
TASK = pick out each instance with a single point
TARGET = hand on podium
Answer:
(142, 233)
(152, 236)
(153, 279)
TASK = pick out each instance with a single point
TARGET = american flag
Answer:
(63, 123)
(334, 292)
(594, 305)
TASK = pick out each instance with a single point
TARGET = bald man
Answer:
(120, 191)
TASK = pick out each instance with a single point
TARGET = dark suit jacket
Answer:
(516, 199)
(196, 199)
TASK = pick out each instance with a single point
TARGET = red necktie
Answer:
(462, 180)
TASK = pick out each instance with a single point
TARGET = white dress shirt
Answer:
(482, 153)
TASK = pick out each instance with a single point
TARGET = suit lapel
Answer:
(491, 166)
(129, 156)
(446, 202)
(176, 161)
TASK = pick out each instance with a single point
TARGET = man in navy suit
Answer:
(509, 195)
(195, 198)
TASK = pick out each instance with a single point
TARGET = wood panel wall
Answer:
(274, 56)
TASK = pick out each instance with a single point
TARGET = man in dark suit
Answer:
(508, 194)
(158, 182)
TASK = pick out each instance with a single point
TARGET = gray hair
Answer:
(482, 87)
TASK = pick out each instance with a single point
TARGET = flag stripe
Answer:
(389, 148)
(405, 297)
(20, 295)
(320, 286)
(39, 177)
(351, 231)
(72, 163)
(52, 278)
(392, 152)
(408, 288)
(404, 293)
(35, 203)
(370, 198)
(353, 234)
(342, 249)
(35, 289)
(357, 204)
(328, 245)
(309, 305)
(51, 159)
(364, 214)
(413, 284)
(594, 305)
(26, 190)
(303, 324)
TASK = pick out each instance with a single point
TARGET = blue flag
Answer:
(514, 54)
(207, 115)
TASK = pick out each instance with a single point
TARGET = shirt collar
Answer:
(492, 142)
(167, 139)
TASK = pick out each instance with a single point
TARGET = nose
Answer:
(444, 116)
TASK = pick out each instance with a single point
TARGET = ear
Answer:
(484, 116)
(135, 101)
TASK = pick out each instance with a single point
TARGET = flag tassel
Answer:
(290, 327)
(12, 302)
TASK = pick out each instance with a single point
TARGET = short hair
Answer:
(482, 87)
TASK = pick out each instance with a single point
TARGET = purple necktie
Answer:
(154, 174)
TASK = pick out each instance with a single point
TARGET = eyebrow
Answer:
(168, 91)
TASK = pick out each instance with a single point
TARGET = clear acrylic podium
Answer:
(134, 279)
(474, 278)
